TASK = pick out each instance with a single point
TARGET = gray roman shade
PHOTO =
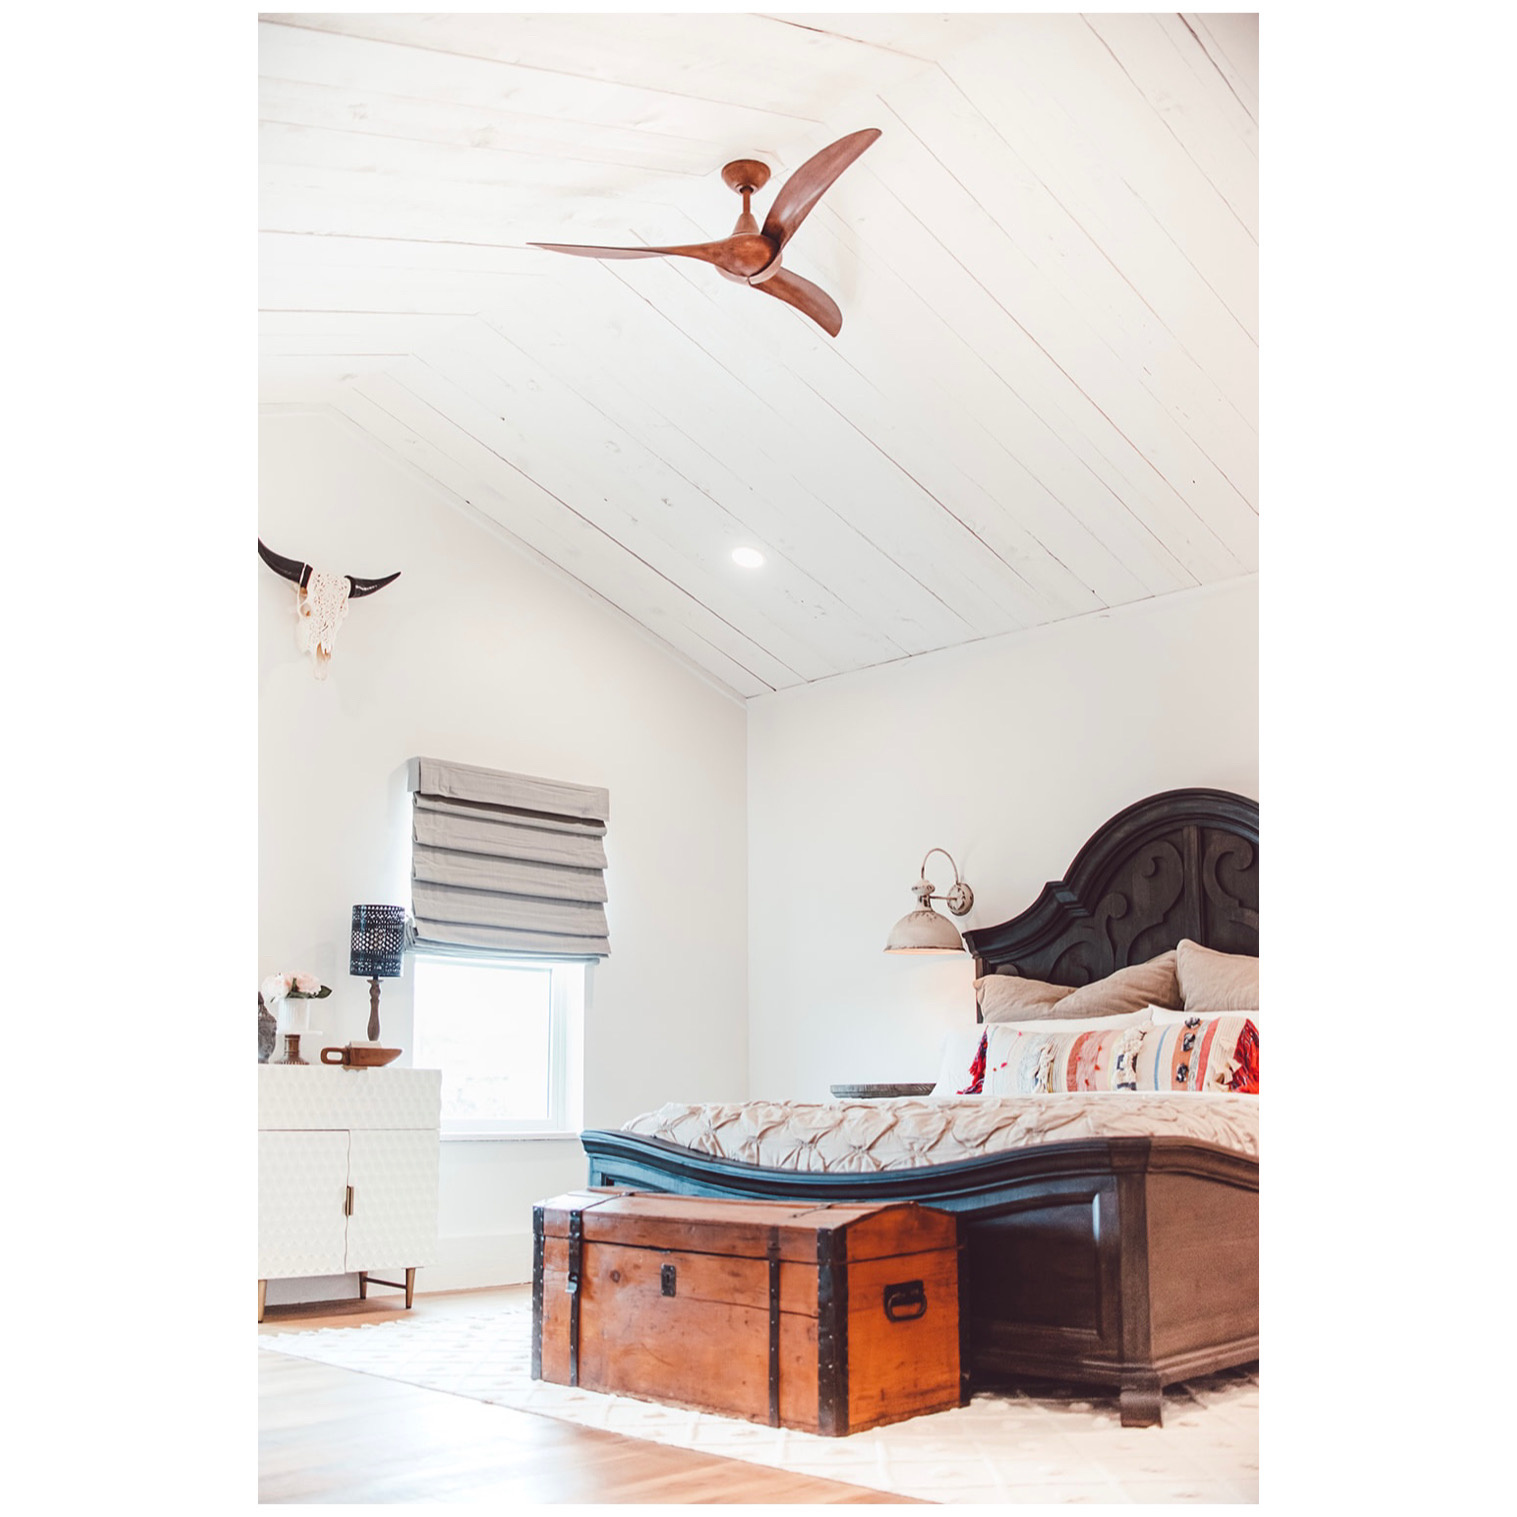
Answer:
(507, 864)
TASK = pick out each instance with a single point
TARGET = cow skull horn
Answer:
(300, 573)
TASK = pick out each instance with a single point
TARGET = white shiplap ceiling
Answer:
(1044, 399)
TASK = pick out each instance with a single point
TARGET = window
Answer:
(506, 1036)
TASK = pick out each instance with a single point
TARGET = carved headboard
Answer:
(1181, 864)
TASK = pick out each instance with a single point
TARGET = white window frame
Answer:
(566, 1020)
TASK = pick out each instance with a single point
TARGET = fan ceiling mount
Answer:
(752, 255)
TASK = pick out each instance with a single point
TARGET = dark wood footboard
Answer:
(1122, 1262)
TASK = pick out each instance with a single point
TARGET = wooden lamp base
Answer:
(373, 1030)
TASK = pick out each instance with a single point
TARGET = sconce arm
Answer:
(959, 897)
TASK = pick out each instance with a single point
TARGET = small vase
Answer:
(294, 1014)
(292, 1049)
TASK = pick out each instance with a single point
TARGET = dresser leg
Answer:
(263, 1295)
(363, 1285)
(1142, 1402)
(410, 1287)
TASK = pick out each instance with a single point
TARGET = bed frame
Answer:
(1123, 1262)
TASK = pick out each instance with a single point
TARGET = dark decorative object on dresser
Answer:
(266, 1029)
(1131, 1262)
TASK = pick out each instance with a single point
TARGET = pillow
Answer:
(1010, 998)
(1201, 1054)
(1211, 982)
(1135, 988)
(957, 1052)
(1019, 1062)
(1162, 1016)
(1082, 1024)
(1043, 1024)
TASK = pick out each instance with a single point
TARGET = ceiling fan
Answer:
(752, 255)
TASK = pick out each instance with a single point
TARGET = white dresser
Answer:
(347, 1172)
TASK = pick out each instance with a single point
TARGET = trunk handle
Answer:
(905, 1301)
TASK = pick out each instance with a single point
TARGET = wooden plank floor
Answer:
(329, 1434)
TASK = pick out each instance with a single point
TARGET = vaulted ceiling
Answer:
(1044, 399)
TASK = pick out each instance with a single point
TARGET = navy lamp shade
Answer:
(377, 947)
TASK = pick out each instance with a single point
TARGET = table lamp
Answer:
(379, 941)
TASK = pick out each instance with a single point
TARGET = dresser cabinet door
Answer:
(394, 1179)
(302, 1187)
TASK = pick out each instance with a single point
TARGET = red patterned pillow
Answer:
(1063, 1025)
(1213, 1054)
(1201, 1054)
(1023, 1062)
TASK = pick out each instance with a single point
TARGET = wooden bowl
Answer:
(360, 1056)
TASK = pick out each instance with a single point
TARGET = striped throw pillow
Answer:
(1027, 1063)
(1201, 1054)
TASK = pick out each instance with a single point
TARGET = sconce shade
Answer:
(379, 940)
(924, 931)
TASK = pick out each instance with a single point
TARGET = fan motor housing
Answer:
(745, 174)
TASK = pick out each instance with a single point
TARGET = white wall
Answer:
(1007, 753)
(478, 654)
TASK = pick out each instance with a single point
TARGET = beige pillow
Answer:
(1132, 989)
(1010, 998)
(1211, 982)
(1056, 1023)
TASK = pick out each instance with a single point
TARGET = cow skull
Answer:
(321, 603)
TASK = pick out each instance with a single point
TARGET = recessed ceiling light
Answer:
(749, 558)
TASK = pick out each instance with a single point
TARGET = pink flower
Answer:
(276, 987)
(306, 984)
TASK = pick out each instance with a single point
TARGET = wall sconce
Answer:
(923, 930)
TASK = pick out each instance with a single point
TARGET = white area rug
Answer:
(1003, 1446)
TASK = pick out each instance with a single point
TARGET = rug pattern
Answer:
(1055, 1447)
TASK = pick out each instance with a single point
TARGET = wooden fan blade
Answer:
(584, 250)
(810, 182)
(742, 256)
(809, 299)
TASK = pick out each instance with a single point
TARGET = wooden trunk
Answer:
(830, 1318)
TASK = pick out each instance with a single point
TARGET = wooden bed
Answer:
(1123, 1262)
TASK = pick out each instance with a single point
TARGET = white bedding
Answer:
(907, 1133)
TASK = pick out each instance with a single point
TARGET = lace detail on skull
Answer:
(320, 608)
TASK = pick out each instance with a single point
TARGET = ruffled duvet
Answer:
(908, 1133)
